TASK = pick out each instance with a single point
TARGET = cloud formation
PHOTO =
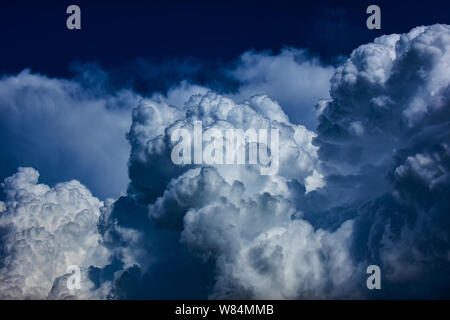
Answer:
(381, 142)
(229, 215)
(75, 129)
(44, 231)
(387, 126)
(369, 186)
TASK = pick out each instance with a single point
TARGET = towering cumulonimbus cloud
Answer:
(385, 130)
(378, 166)
(369, 186)
(243, 224)
(386, 95)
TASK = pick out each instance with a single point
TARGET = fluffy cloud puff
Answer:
(260, 245)
(57, 125)
(43, 231)
(230, 215)
(154, 122)
(385, 95)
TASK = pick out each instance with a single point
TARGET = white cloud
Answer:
(383, 142)
(45, 230)
(260, 252)
(231, 214)
(371, 186)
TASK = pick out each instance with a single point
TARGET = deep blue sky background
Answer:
(34, 35)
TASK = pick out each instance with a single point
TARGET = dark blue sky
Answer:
(34, 35)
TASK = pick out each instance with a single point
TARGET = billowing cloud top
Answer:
(44, 231)
(369, 186)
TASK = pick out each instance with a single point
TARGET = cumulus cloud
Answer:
(387, 91)
(376, 173)
(386, 125)
(369, 186)
(45, 230)
(154, 123)
(230, 215)
(262, 249)
(75, 129)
